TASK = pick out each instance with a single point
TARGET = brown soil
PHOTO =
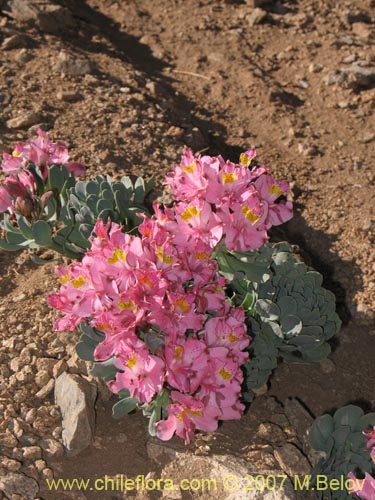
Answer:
(164, 73)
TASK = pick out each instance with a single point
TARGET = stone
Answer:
(256, 17)
(10, 464)
(46, 16)
(25, 120)
(32, 452)
(19, 484)
(76, 398)
(46, 389)
(367, 137)
(362, 30)
(41, 378)
(59, 368)
(7, 439)
(51, 448)
(16, 41)
(68, 96)
(292, 460)
(72, 65)
(359, 76)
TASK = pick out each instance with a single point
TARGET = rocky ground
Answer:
(127, 85)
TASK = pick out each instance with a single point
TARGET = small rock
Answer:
(59, 368)
(292, 461)
(23, 56)
(40, 465)
(19, 298)
(307, 150)
(52, 448)
(24, 121)
(304, 84)
(256, 17)
(68, 96)
(32, 452)
(46, 389)
(42, 378)
(10, 464)
(175, 132)
(72, 65)
(359, 76)
(15, 42)
(76, 397)
(8, 440)
(46, 16)
(333, 78)
(315, 68)
(362, 30)
(19, 484)
(367, 137)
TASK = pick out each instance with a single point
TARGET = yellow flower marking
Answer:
(245, 160)
(64, 279)
(183, 305)
(103, 326)
(202, 256)
(229, 178)
(232, 337)
(131, 362)
(167, 259)
(275, 190)
(189, 169)
(197, 413)
(178, 352)
(116, 256)
(249, 214)
(146, 281)
(127, 305)
(189, 213)
(78, 282)
(16, 154)
(225, 374)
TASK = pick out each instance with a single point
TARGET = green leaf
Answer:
(321, 431)
(5, 245)
(267, 310)
(291, 325)
(348, 415)
(42, 233)
(139, 190)
(57, 176)
(25, 227)
(123, 407)
(105, 370)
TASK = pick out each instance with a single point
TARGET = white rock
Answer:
(76, 398)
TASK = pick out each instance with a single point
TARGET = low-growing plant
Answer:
(345, 440)
(186, 309)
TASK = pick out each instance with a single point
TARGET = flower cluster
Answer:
(365, 488)
(223, 200)
(167, 323)
(17, 193)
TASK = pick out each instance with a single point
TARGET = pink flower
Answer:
(184, 416)
(364, 488)
(186, 364)
(142, 375)
(5, 200)
(188, 179)
(270, 191)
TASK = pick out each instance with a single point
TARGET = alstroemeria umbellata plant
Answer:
(183, 318)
